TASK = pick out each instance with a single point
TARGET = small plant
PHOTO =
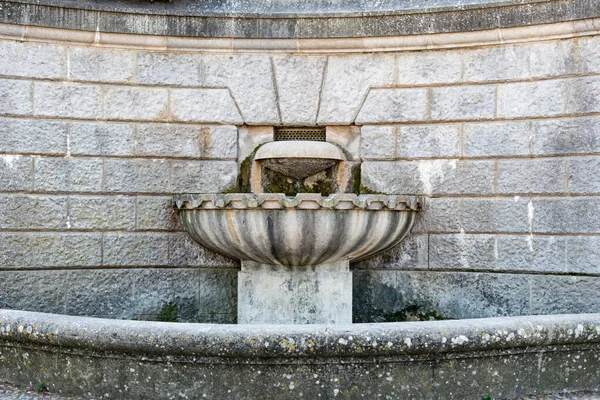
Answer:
(41, 387)
(487, 397)
(168, 313)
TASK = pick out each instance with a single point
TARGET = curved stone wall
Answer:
(98, 130)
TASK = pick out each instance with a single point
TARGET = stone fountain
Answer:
(295, 248)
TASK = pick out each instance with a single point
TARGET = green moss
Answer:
(41, 387)
(168, 313)
(366, 190)
(411, 313)
(274, 182)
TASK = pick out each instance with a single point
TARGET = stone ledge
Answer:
(302, 201)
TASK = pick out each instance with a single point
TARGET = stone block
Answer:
(411, 253)
(497, 63)
(15, 97)
(429, 177)
(463, 252)
(70, 100)
(203, 176)
(299, 81)
(566, 215)
(185, 252)
(157, 213)
(348, 137)
(588, 54)
(135, 249)
(378, 142)
(554, 58)
(190, 105)
(347, 82)
(250, 137)
(68, 174)
(583, 254)
(136, 176)
(168, 69)
(584, 175)
(428, 141)
(463, 102)
(584, 95)
(555, 294)
(39, 250)
(100, 64)
(32, 60)
(393, 105)
(102, 213)
(387, 296)
(187, 141)
(42, 291)
(33, 136)
(426, 68)
(496, 139)
(248, 77)
(535, 99)
(438, 215)
(565, 136)
(527, 176)
(136, 103)
(16, 173)
(26, 212)
(495, 215)
(101, 139)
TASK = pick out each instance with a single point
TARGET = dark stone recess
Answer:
(292, 19)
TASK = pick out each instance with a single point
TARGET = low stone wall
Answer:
(499, 357)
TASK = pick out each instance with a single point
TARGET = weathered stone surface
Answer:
(429, 177)
(136, 103)
(532, 176)
(378, 142)
(183, 251)
(190, 105)
(565, 136)
(32, 60)
(555, 58)
(40, 250)
(497, 63)
(135, 249)
(428, 141)
(203, 176)
(187, 141)
(33, 212)
(101, 139)
(340, 101)
(16, 173)
(67, 100)
(168, 69)
(439, 215)
(33, 136)
(68, 174)
(584, 95)
(426, 68)
(156, 212)
(136, 176)
(393, 105)
(538, 99)
(498, 252)
(584, 175)
(299, 82)
(248, 77)
(15, 97)
(44, 289)
(583, 254)
(564, 294)
(412, 252)
(566, 215)
(100, 213)
(463, 102)
(100, 65)
(588, 54)
(497, 139)
(491, 215)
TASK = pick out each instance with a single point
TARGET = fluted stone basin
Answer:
(307, 229)
(295, 252)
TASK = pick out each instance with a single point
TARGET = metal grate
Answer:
(312, 134)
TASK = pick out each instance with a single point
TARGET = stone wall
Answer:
(504, 140)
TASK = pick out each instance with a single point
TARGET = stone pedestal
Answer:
(275, 294)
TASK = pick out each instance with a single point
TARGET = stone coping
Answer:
(302, 201)
(284, 19)
(298, 341)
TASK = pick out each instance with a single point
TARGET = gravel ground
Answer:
(9, 392)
